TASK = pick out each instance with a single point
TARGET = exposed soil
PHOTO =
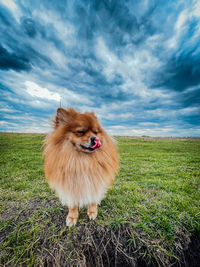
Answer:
(192, 253)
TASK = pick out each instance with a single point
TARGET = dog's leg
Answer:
(92, 211)
(72, 216)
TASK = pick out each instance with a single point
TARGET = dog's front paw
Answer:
(72, 216)
(71, 221)
(92, 211)
(92, 215)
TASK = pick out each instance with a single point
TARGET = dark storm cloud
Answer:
(28, 26)
(135, 63)
(13, 61)
(180, 73)
(191, 97)
(16, 52)
(181, 69)
(116, 20)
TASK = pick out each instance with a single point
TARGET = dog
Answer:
(81, 161)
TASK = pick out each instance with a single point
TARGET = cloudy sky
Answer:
(136, 64)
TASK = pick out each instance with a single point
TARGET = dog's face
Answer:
(83, 131)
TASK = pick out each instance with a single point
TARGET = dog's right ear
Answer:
(62, 117)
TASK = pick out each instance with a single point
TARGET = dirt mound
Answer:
(89, 244)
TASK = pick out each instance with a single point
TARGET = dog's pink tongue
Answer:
(97, 143)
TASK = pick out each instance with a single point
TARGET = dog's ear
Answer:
(63, 116)
(91, 114)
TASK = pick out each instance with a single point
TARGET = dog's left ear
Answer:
(91, 114)
(63, 116)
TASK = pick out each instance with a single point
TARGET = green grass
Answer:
(155, 200)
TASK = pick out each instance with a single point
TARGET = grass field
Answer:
(150, 216)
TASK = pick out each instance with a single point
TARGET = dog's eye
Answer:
(80, 132)
(95, 132)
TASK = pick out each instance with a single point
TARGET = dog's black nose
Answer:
(92, 139)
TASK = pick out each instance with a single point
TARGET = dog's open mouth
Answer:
(87, 148)
(95, 144)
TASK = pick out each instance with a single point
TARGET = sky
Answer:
(136, 64)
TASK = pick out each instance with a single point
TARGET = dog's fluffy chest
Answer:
(81, 191)
(79, 179)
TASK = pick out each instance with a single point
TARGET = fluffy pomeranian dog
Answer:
(81, 161)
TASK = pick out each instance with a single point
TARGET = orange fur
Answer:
(79, 177)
